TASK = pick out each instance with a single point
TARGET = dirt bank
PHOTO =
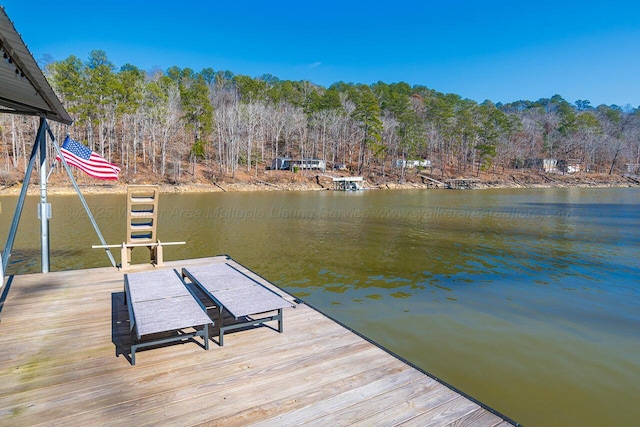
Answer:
(308, 181)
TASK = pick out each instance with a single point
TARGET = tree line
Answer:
(176, 123)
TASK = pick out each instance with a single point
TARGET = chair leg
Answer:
(206, 337)
(133, 348)
(125, 257)
(159, 262)
(221, 334)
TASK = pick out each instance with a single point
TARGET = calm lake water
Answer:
(527, 300)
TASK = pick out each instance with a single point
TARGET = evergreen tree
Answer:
(367, 115)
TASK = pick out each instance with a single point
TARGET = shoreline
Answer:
(121, 188)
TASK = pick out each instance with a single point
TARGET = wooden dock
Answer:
(64, 340)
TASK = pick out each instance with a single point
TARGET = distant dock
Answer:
(348, 183)
(64, 337)
(461, 183)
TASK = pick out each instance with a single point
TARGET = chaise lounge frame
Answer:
(160, 302)
(237, 293)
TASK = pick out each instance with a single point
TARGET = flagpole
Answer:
(82, 200)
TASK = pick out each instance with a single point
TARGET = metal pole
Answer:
(44, 208)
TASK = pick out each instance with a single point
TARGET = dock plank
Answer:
(454, 409)
(347, 403)
(64, 337)
(479, 417)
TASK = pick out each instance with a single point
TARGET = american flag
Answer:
(83, 158)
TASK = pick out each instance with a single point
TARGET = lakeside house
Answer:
(549, 165)
(411, 164)
(288, 163)
(570, 166)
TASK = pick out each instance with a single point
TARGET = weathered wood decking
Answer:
(64, 336)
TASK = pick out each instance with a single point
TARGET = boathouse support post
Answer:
(23, 194)
(44, 209)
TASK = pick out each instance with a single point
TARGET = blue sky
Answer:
(499, 50)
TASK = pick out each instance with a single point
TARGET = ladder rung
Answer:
(146, 200)
(141, 227)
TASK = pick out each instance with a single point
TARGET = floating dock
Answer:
(64, 340)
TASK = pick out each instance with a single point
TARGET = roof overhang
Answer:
(23, 87)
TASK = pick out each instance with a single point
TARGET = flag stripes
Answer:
(88, 161)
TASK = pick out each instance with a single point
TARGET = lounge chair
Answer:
(240, 295)
(159, 302)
